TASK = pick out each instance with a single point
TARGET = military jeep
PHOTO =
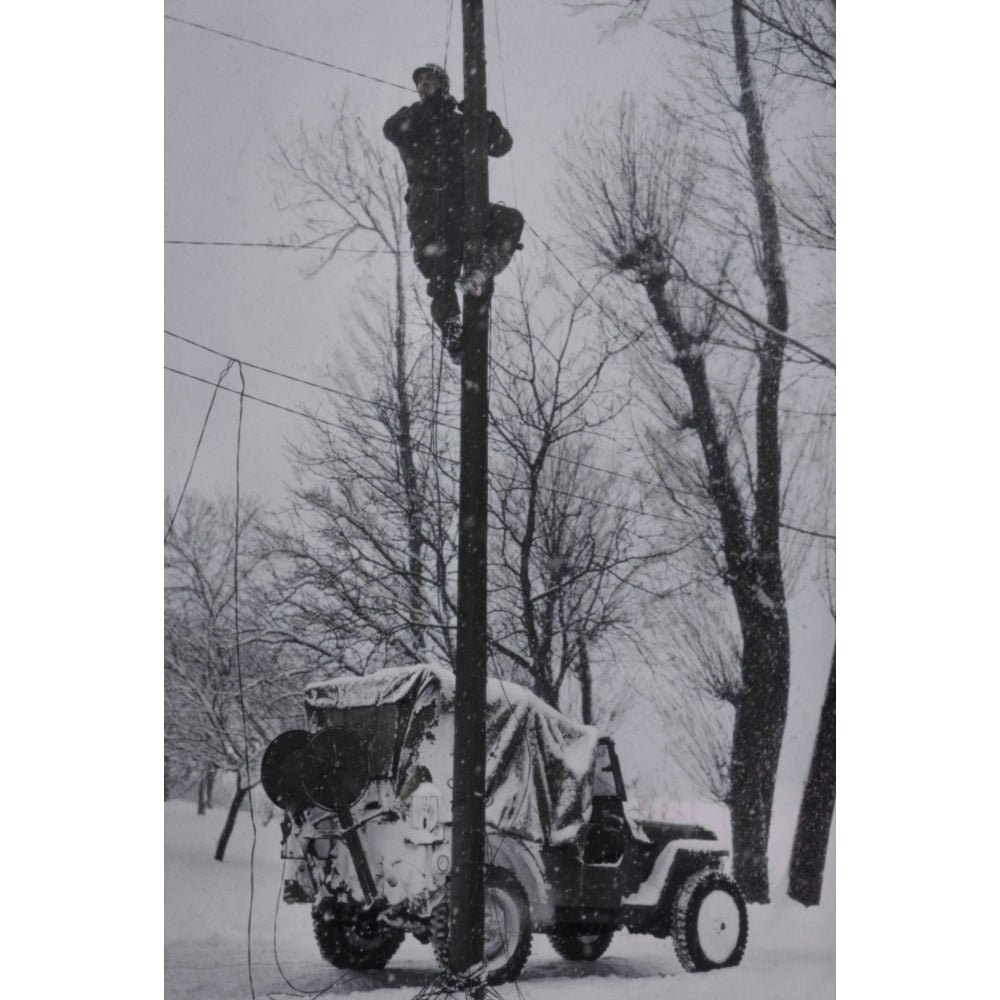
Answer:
(365, 790)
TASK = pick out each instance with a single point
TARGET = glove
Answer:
(492, 118)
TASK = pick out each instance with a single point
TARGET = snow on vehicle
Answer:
(365, 789)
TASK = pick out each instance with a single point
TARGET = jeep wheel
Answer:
(360, 945)
(708, 922)
(581, 944)
(506, 928)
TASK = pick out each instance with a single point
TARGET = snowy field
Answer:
(790, 952)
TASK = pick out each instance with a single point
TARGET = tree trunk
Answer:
(205, 786)
(760, 595)
(234, 808)
(586, 685)
(812, 833)
(414, 529)
(757, 734)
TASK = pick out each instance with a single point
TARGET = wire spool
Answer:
(335, 768)
(281, 770)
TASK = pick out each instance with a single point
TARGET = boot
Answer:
(474, 283)
(451, 334)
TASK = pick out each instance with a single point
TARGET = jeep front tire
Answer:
(708, 922)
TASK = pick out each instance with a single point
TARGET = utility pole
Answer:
(468, 804)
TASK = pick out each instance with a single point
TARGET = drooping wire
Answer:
(197, 447)
(285, 52)
(503, 91)
(509, 478)
(274, 928)
(239, 678)
(275, 246)
(813, 355)
(368, 402)
(345, 977)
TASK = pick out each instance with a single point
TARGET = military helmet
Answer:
(438, 71)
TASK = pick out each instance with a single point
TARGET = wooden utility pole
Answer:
(468, 803)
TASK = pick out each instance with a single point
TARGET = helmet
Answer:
(438, 71)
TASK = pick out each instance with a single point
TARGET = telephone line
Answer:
(360, 399)
(814, 357)
(277, 406)
(501, 475)
(276, 246)
(286, 52)
(417, 446)
(369, 402)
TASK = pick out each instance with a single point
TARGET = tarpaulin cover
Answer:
(539, 764)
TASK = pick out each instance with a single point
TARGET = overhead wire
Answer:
(286, 52)
(452, 461)
(241, 689)
(814, 355)
(503, 91)
(239, 676)
(279, 246)
(197, 448)
(432, 448)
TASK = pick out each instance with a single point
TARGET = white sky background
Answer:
(84, 419)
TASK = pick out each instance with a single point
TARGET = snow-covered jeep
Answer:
(365, 790)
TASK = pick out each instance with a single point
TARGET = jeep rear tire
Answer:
(506, 928)
(581, 944)
(363, 944)
(708, 922)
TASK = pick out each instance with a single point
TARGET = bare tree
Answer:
(342, 187)
(367, 557)
(659, 202)
(564, 551)
(797, 38)
(557, 546)
(227, 693)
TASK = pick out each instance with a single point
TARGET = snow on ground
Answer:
(790, 953)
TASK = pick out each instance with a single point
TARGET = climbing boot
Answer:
(474, 283)
(451, 333)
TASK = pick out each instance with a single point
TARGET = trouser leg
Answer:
(437, 252)
(442, 275)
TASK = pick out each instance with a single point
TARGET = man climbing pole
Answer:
(430, 139)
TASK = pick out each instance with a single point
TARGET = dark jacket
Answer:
(430, 138)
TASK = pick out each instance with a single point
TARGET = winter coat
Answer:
(430, 138)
